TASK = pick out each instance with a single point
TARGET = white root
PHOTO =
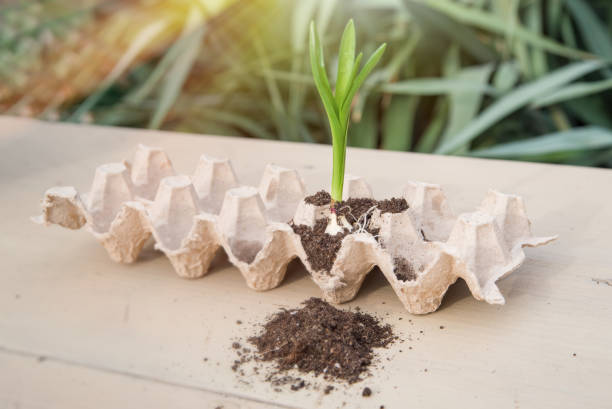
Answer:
(333, 227)
(363, 221)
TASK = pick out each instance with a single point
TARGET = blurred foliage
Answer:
(515, 79)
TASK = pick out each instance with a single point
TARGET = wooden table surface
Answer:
(78, 330)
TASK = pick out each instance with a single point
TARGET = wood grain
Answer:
(122, 329)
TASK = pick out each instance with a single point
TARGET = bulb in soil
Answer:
(334, 227)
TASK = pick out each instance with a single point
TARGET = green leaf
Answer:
(367, 68)
(591, 110)
(346, 60)
(451, 64)
(429, 138)
(506, 76)
(239, 121)
(398, 123)
(539, 65)
(573, 91)
(388, 73)
(577, 139)
(149, 85)
(590, 158)
(175, 78)
(553, 16)
(146, 36)
(464, 105)
(364, 134)
(435, 86)
(592, 30)
(356, 67)
(300, 17)
(325, 13)
(494, 24)
(460, 33)
(289, 76)
(320, 79)
(567, 31)
(278, 114)
(516, 99)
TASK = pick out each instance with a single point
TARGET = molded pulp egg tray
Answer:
(190, 217)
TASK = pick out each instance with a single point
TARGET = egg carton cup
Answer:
(191, 217)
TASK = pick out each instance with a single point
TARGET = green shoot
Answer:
(338, 104)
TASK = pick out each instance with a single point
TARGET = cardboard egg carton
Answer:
(191, 217)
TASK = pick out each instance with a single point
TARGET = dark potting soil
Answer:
(321, 198)
(403, 270)
(320, 247)
(393, 205)
(321, 339)
(354, 208)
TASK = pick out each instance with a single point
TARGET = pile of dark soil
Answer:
(321, 339)
(321, 248)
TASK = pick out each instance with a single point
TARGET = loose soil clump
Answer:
(320, 247)
(403, 270)
(321, 198)
(321, 339)
(393, 205)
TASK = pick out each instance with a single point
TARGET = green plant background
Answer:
(513, 79)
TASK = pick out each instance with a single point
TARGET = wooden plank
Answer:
(40, 382)
(61, 297)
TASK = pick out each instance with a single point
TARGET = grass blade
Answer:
(553, 16)
(176, 49)
(177, 73)
(364, 134)
(435, 86)
(245, 123)
(506, 76)
(573, 91)
(492, 23)
(301, 17)
(145, 37)
(386, 74)
(520, 97)
(577, 139)
(320, 78)
(591, 110)
(346, 60)
(289, 76)
(278, 107)
(324, 13)
(567, 31)
(539, 65)
(296, 93)
(464, 105)
(592, 30)
(398, 123)
(367, 68)
(459, 33)
(431, 135)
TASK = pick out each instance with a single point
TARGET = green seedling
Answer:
(338, 104)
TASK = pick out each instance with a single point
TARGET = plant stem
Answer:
(339, 156)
